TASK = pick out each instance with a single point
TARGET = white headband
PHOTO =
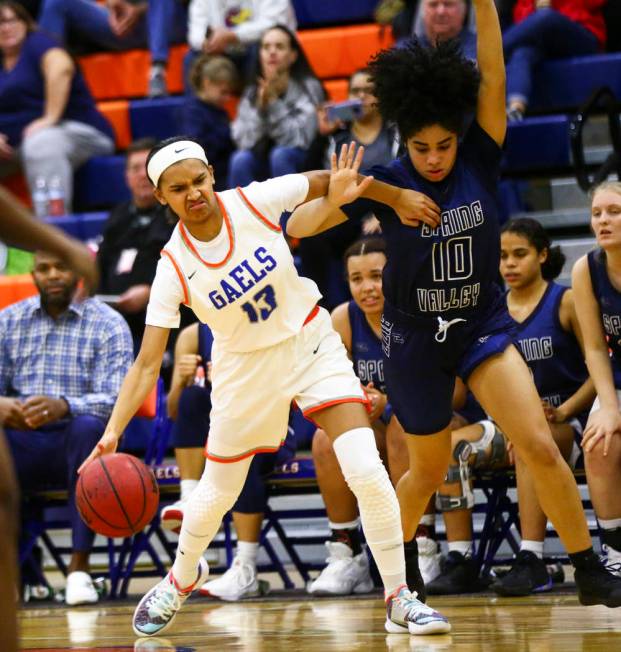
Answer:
(173, 153)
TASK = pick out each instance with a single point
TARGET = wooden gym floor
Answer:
(552, 622)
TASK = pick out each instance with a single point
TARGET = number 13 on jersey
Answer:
(261, 306)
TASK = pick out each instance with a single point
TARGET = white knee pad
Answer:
(367, 478)
(203, 513)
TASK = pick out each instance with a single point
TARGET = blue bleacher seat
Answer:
(100, 183)
(83, 226)
(157, 118)
(537, 144)
(311, 13)
(567, 83)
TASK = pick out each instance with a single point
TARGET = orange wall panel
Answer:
(117, 112)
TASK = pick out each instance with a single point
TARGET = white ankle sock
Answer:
(187, 487)
(535, 547)
(463, 547)
(609, 524)
(247, 551)
(428, 519)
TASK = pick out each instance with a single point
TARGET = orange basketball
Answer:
(117, 495)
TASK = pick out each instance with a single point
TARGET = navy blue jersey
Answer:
(366, 349)
(451, 270)
(609, 300)
(552, 354)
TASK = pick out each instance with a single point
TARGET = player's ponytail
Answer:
(538, 238)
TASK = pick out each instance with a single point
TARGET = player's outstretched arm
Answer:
(345, 186)
(138, 382)
(491, 111)
(19, 228)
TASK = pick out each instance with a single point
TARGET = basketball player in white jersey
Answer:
(229, 262)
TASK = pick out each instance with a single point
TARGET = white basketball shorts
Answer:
(252, 392)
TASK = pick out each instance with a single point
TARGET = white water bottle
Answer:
(40, 197)
(56, 197)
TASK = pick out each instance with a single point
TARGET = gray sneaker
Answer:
(157, 609)
(405, 613)
(157, 82)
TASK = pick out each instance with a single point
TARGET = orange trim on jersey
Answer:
(311, 315)
(229, 230)
(338, 401)
(186, 293)
(257, 212)
(242, 456)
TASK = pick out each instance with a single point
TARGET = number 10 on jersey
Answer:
(452, 259)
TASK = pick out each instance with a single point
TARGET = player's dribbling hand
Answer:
(107, 444)
(346, 185)
(414, 207)
(602, 425)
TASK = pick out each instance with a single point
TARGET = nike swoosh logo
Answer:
(177, 151)
(191, 275)
(317, 349)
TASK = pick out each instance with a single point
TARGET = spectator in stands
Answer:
(121, 25)
(598, 304)
(322, 254)
(547, 30)
(133, 236)
(48, 119)
(214, 80)
(189, 404)
(234, 27)
(438, 20)
(550, 342)
(277, 117)
(61, 367)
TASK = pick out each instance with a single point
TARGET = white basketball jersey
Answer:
(252, 296)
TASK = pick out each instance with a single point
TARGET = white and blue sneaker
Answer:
(405, 613)
(157, 609)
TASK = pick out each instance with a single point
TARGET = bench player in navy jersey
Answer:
(444, 314)
(550, 342)
(597, 285)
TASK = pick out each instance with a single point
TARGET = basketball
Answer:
(117, 495)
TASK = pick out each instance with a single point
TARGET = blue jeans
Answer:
(545, 34)
(245, 166)
(165, 22)
(50, 458)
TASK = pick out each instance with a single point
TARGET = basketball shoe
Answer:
(239, 581)
(597, 584)
(528, 574)
(80, 589)
(344, 574)
(460, 574)
(157, 609)
(405, 613)
(428, 558)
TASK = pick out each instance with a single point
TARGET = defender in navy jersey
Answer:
(444, 315)
(549, 340)
(597, 284)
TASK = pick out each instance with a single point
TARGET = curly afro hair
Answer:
(418, 86)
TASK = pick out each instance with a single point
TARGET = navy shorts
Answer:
(420, 371)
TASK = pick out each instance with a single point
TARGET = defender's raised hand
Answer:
(346, 184)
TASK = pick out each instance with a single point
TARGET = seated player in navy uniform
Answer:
(598, 304)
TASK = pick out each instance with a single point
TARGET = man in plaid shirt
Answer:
(61, 367)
